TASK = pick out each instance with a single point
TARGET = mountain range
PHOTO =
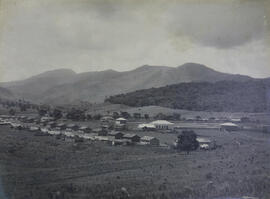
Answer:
(64, 86)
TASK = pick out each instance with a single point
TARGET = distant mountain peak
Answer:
(195, 66)
(150, 67)
(61, 71)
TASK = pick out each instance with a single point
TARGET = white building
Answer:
(229, 126)
(163, 124)
(150, 141)
(120, 120)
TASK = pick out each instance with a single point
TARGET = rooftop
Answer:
(162, 122)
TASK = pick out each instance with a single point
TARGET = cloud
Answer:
(220, 25)
(84, 35)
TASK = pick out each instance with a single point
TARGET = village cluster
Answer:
(113, 131)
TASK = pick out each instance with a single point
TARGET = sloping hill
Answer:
(227, 96)
(6, 94)
(65, 86)
(33, 88)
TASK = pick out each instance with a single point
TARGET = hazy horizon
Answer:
(230, 36)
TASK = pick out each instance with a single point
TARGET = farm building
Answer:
(147, 127)
(150, 140)
(73, 127)
(101, 138)
(46, 119)
(162, 124)
(120, 120)
(106, 119)
(52, 124)
(4, 123)
(61, 126)
(85, 129)
(100, 131)
(132, 137)
(120, 123)
(203, 140)
(34, 128)
(29, 119)
(204, 143)
(116, 134)
(229, 126)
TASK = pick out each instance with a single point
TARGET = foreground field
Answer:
(47, 167)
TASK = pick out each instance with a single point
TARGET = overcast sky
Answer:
(88, 35)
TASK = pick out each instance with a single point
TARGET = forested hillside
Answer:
(231, 96)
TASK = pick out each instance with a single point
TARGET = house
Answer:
(120, 124)
(132, 137)
(106, 119)
(150, 140)
(29, 119)
(101, 138)
(73, 127)
(202, 140)
(205, 143)
(34, 128)
(46, 119)
(120, 121)
(52, 124)
(44, 130)
(61, 126)
(229, 126)
(100, 131)
(163, 125)
(116, 134)
(16, 126)
(147, 127)
(85, 129)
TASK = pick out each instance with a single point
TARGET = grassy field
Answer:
(46, 167)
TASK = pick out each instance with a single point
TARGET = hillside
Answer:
(34, 87)
(228, 96)
(5, 94)
(65, 86)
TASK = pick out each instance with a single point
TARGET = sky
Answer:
(230, 36)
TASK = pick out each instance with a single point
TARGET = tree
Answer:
(115, 115)
(42, 112)
(88, 117)
(12, 111)
(23, 107)
(137, 115)
(187, 141)
(146, 116)
(176, 116)
(97, 117)
(160, 116)
(125, 115)
(57, 114)
(76, 114)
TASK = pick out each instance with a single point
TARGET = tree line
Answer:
(223, 96)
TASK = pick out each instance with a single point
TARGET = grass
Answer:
(45, 167)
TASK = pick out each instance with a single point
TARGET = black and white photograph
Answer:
(134, 99)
